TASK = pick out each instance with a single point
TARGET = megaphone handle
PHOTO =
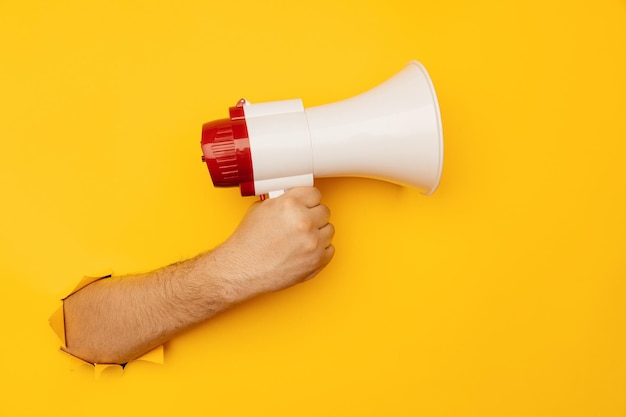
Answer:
(272, 194)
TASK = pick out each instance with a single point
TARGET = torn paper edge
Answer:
(57, 323)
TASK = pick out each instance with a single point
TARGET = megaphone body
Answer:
(392, 132)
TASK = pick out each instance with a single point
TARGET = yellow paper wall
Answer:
(501, 295)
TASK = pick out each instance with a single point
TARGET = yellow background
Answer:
(501, 295)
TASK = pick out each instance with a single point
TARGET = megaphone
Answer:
(392, 132)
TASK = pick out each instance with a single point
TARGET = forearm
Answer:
(279, 243)
(118, 319)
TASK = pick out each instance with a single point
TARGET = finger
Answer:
(329, 252)
(320, 215)
(312, 274)
(309, 196)
(326, 235)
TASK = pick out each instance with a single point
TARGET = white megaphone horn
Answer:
(392, 132)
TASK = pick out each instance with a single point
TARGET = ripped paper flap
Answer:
(57, 323)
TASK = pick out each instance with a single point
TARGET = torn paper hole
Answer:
(57, 322)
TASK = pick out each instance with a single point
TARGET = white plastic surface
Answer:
(392, 132)
(280, 145)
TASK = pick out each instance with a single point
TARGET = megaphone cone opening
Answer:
(437, 121)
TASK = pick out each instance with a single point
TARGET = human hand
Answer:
(279, 243)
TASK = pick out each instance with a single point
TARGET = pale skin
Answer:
(279, 243)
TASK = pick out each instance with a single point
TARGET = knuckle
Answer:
(289, 202)
(304, 223)
(310, 243)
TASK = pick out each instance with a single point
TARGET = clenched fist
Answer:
(279, 243)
